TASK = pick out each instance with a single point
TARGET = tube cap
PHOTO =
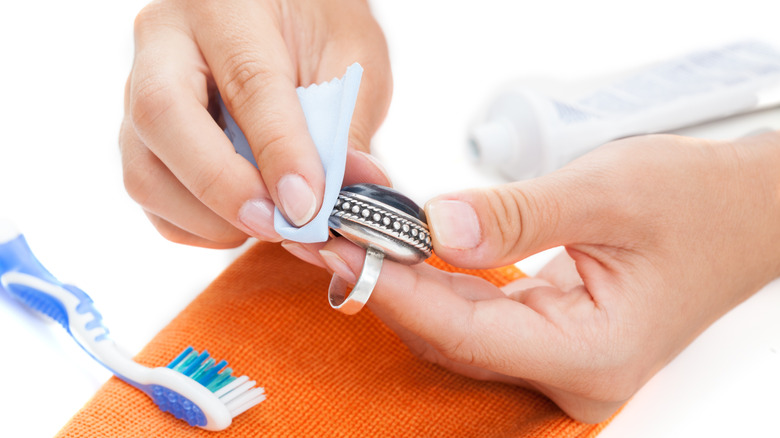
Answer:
(493, 143)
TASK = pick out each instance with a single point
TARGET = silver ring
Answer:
(385, 223)
(357, 298)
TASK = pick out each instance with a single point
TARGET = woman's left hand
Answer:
(663, 235)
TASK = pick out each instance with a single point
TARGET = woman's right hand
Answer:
(179, 165)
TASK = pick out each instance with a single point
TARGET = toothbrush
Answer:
(193, 387)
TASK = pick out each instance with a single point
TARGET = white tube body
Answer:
(525, 134)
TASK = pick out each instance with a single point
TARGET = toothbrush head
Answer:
(234, 394)
(193, 387)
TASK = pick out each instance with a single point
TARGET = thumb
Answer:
(497, 226)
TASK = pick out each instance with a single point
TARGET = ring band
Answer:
(385, 223)
(357, 298)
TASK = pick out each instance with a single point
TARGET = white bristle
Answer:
(241, 399)
(229, 387)
(237, 392)
(257, 397)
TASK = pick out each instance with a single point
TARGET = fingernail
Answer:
(258, 216)
(338, 266)
(297, 199)
(376, 164)
(454, 224)
(302, 253)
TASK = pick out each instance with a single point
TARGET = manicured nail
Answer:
(338, 266)
(454, 224)
(258, 216)
(302, 253)
(297, 199)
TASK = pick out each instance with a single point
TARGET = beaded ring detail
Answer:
(385, 223)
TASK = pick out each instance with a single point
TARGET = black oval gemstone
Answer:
(390, 197)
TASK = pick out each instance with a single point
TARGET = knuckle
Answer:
(137, 177)
(171, 232)
(228, 236)
(144, 17)
(272, 150)
(470, 351)
(147, 17)
(462, 346)
(533, 217)
(126, 101)
(360, 136)
(244, 76)
(458, 351)
(151, 97)
(205, 184)
(508, 222)
(219, 240)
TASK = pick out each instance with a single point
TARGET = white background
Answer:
(62, 73)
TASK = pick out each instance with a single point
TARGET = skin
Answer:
(177, 163)
(663, 235)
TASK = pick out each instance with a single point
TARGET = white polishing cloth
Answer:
(328, 108)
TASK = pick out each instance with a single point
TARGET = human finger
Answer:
(362, 167)
(257, 80)
(548, 342)
(491, 227)
(464, 318)
(167, 107)
(157, 191)
(178, 235)
(308, 252)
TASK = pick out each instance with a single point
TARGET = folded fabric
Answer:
(326, 374)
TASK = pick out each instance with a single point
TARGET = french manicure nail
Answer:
(258, 216)
(297, 199)
(338, 266)
(454, 224)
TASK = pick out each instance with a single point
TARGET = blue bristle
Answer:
(221, 380)
(206, 378)
(180, 357)
(188, 360)
(201, 368)
(204, 367)
(196, 363)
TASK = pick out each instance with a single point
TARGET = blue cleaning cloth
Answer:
(328, 108)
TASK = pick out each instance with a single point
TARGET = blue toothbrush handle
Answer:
(196, 389)
(25, 278)
(16, 255)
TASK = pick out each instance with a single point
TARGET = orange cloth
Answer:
(326, 374)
